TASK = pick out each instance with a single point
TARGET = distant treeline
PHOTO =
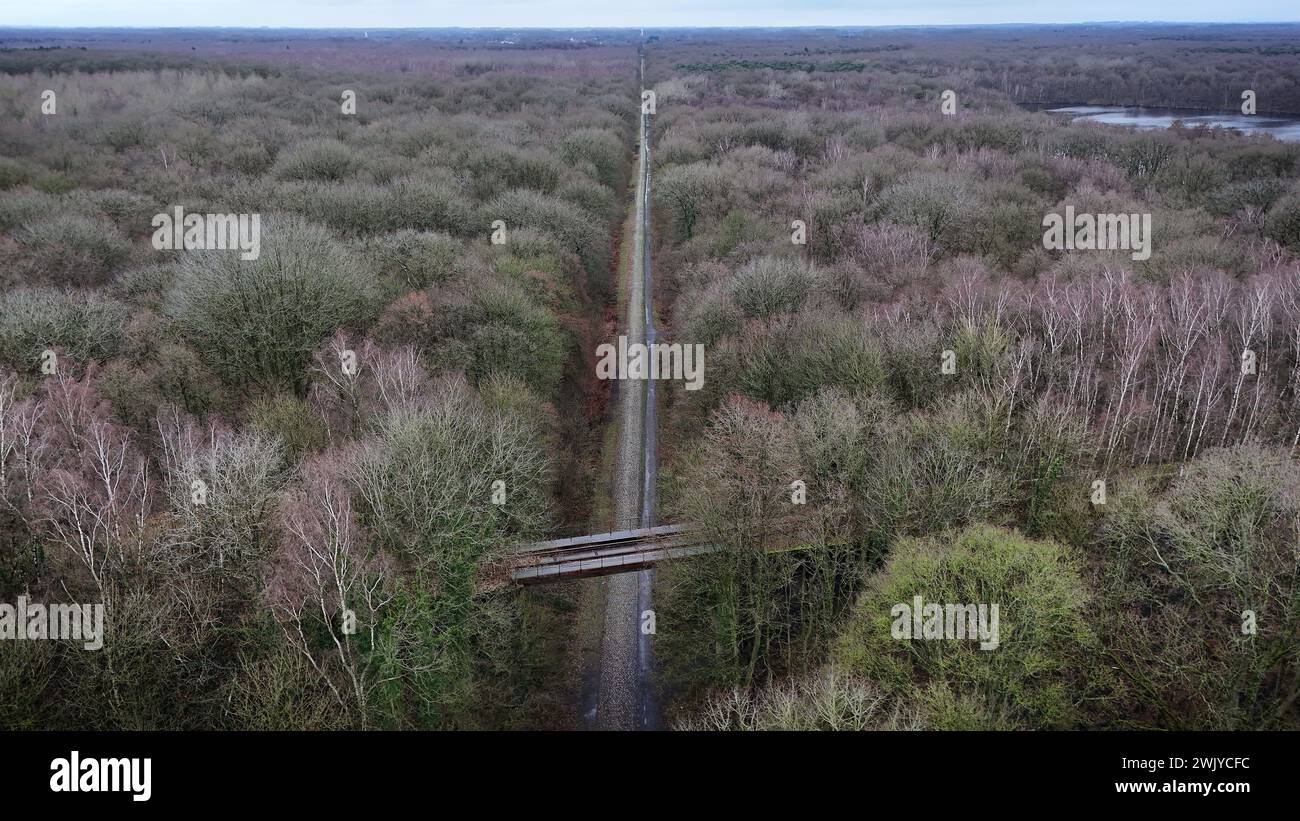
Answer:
(60, 60)
(1203, 67)
(774, 65)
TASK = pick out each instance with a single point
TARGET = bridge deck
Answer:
(622, 551)
(602, 554)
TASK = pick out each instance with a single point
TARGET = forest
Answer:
(327, 491)
(849, 221)
(1171, 381)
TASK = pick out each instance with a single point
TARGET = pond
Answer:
(1282, 126)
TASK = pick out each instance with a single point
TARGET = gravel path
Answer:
(624, 701)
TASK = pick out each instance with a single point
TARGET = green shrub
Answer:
(1043, 640)
(83, 325)
(689, 194)
(1232, 523)
(146, 285)
(425, 489)
(125, 133)
(771, 286)
(256, 322)
(981, 351)
(352, 207)
(942, 470)
(500, 168)
(709, 318)
(792, 364)
(293, 421)
(508, 334)
(13, 173)
(25, 205)
(413, 260)
(433, 204)
(1235, 196)
(937, 206)
(131, 212)
(592, 197)
(71, 249)
(913, 351)
(1201, 582)
(243, 154)
(604, 150)
(280, 691)
(323, 160)
(579, 230)
(1283, 221)
(1190, 180)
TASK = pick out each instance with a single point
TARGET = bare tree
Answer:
(323, 574)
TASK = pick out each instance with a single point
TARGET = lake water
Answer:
(1283, 127)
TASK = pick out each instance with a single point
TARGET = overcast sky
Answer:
(583, 13)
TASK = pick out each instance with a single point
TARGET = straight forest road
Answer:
(626, 700)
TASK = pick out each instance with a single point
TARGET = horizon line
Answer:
(42, 27)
